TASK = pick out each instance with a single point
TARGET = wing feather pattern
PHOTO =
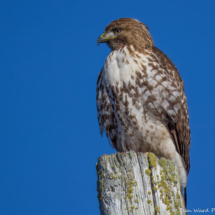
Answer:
(176, 114)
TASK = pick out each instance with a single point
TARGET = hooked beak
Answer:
(101, 39)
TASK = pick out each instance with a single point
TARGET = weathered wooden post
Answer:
(138, 184)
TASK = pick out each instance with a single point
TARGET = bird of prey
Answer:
(141, 102)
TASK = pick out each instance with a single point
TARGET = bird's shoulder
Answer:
(156, 56)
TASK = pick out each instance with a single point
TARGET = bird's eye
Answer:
(116, 30)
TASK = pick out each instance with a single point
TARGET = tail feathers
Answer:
(185, 196)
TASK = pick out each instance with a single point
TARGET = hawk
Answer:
(141, 102)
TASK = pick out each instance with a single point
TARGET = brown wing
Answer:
(105, 112)
(181, 137)
(178, 124)
(99, 101)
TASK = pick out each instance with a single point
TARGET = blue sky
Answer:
(49, 63)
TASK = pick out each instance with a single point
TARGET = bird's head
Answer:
(126, 31)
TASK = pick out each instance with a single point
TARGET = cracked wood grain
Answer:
(138, 184)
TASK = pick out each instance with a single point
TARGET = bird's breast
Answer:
(121, 65)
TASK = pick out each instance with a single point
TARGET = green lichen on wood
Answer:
(129, 187)
(148, 172)
(174, 180)
(177, 203)
(130, 190)
(152, 160)
(168, 170)
(135, 183)
(100, 185)
(171, 167)
(157, 209)
(149, 201)
(161, 193)
(163, 184)
(100, 189)
(163, 163)
(168, 177)
(130, 196)
(132, 208)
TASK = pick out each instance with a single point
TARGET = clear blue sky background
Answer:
(49, 63)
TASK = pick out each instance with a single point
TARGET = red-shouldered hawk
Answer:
(141, 102)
